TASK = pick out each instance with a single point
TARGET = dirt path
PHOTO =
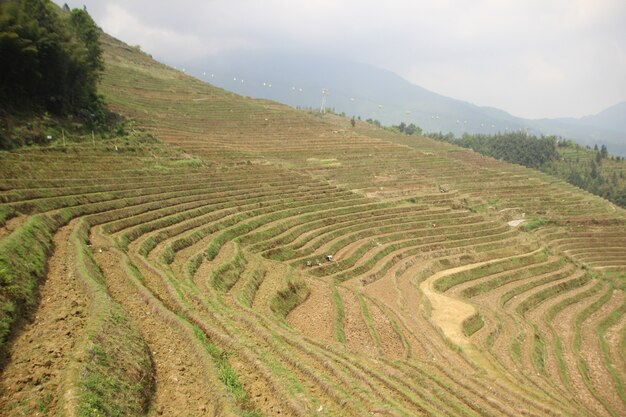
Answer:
(181, 371)
(449, 312)
(31, 382)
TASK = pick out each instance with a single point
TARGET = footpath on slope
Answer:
(31, 381)
(449, 312)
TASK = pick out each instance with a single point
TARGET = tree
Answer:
(412, 129)
(604, 152)
(594, 170)
(50, 61)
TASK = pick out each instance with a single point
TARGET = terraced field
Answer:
(191, 278)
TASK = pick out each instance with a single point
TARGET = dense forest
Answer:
(52, 61)
(593, 170)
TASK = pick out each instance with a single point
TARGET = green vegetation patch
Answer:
(227, 375)
(286, 299)
(473, 324)
(447, 282)
(116, 377)
(339, 316)
(115, 373)
(23, 261)
(229, 273)
(251, 286)
(536, 223)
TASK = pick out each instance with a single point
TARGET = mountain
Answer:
(373, 93)
(354, 88)
(613, 118)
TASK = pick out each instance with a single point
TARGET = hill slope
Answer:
(214, 246)
(369, 92)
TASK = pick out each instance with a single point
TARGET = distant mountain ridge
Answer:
(613, 118)
(374, 93)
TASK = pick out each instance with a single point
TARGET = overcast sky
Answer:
(532, 58)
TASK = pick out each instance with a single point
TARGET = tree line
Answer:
(542, 153)
(51, 59)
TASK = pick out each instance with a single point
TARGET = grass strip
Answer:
(23, 261)
(295, 293)
(114, 372)
(227, 274)
(340, 313)
(227, 375)
(473, 324)
(369, 322)
(251, 286)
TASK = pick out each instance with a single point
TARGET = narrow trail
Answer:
(449, 312)
(31, 381)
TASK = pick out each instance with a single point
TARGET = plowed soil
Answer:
(31, 382)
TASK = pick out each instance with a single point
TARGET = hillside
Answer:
(190, 277)
(369, 92)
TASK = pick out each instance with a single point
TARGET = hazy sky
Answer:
(532, 58)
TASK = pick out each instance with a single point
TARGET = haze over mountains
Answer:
(370, 92)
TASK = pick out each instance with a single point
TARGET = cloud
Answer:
(535, 58)
(167, 43)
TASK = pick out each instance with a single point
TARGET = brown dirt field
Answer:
(564, 326)
(184, 255)
(405, 299)
(538, 316)
(12, 224)
(32, 380)
(390, 341)
(357, 334)
(449, 312)
(386, 289)
(591, 352)
(316, 316)
(183, 381)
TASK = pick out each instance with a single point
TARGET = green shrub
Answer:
(285, 300)
(473, 324)
(23, 261)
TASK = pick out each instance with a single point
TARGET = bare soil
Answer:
(315, 317)
(32, 381)
(357, 334)
(182, 384)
